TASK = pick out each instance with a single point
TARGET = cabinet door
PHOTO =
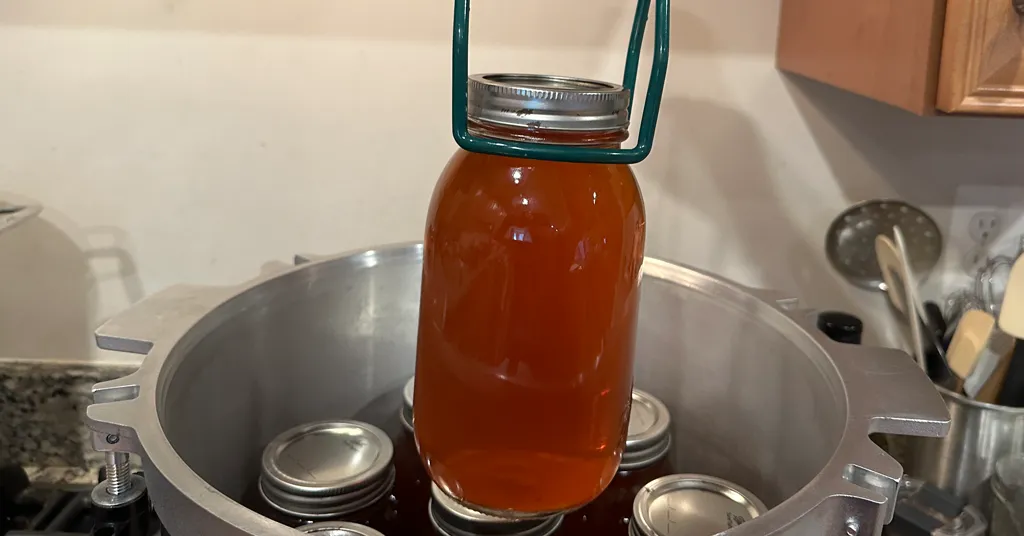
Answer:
(982, 68)
(887, 50)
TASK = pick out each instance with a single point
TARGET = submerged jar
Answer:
(326, 470)
(644, 460)
(528, 312)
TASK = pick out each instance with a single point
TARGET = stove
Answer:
(28, 509)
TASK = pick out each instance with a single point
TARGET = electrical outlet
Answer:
(984, 221)
(974, 260)
(984, 227)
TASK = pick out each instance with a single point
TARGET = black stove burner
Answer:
(45, 510)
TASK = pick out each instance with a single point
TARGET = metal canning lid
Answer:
(327, 468)
(406, 412)
(648, 438)
(453, 519)
(338, 528)
(695, 505)
(547, 102)
(327, 506)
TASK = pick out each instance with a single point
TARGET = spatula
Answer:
(894, 274)
(999, 347)
(1011, 315)
(1011, 320)
(969, 342)
(996, 382)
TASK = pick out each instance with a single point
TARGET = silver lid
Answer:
(647, 439)
(695, 505)
(327, 468)
(453, 519)
(338, 528)
(406, 412)
(547, 102)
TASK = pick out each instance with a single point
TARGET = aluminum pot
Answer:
(758, 396)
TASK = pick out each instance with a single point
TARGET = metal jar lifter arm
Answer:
(538, 151)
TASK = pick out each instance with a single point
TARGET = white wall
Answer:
(192, 140)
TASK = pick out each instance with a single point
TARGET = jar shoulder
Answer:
(492, 187)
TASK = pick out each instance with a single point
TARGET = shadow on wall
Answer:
(754, 225)
(48, 287)
(923, 159)
(45, 294)
(718, 171)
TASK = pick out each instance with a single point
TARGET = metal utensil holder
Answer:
(963, 462)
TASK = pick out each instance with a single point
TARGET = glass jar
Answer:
(327, 470)
(450, 518)
(644, 460)
(528, 312)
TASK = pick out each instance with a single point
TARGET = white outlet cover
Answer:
(1007, 202)
(985, 226)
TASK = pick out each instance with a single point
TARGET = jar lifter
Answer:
(469, 142)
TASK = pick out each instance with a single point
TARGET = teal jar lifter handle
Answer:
(469, 142)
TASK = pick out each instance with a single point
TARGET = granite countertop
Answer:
(42, 417)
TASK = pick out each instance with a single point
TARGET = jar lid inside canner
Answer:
(327, 468)
(453, 519)
(406, 412)
(338, 528)
(695, 505)
(648, 439)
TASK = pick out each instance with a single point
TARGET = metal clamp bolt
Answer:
(119, 473)
(121, 487)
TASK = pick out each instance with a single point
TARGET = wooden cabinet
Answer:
(925, 56)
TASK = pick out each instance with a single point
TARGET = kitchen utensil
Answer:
(227, 369)
(1011, 316)
(999, 345)
(992, 277)
(969, 342)
(895, 273)
(982, 433)
(1012, 392)
(850, 240)
(540, 151)
(928, 349)
(935, 336)
(990, 282)
(991, 389)
(907, 270)
(933, 351)
(935, 320)
(957, 303)
(891, 265)
(1011, 320)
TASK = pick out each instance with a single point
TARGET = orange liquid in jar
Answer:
(528, 316)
